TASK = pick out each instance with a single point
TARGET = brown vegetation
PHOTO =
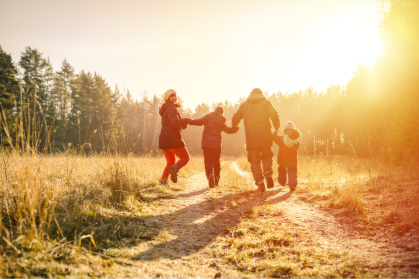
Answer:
(106, 217)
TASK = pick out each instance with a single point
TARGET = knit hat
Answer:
(291, 126)
(220, 110)
(256, 91)
(168, 93)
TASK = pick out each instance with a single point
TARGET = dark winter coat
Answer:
(172, 124)
(287, 157)
(214, 124)
(256, 112)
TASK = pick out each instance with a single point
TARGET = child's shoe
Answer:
(293, 187)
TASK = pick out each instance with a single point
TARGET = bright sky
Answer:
(208, 51)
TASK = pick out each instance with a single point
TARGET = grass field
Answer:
(370, 189)
(73, 216)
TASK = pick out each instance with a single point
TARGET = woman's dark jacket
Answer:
(172, 124)
(214, 124)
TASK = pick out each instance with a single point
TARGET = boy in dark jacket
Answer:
(214, 124)
(287, 155)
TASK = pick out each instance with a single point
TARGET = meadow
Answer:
(105, 216)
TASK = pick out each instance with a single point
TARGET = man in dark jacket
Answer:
(256, 112)
(214, 124)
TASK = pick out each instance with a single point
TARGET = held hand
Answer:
(235, 129)
(275, 133)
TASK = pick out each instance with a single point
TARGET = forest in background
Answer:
(374, 115)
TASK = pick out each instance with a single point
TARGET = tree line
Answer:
(373, 115)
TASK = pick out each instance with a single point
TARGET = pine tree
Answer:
(8, 92)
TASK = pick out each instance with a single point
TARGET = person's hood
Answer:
(255, 98)
(165, 106)
(295, 134)
(217, 118)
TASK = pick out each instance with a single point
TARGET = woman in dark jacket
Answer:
(214, 124)
(170, 139)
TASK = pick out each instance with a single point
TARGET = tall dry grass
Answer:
(379, 191)
(84, 201)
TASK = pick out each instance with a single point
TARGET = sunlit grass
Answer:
(356, 186)
(74, 200)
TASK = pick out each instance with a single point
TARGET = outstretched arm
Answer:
(175, 120)
(237, 117)
(229, 130)
(200, 121)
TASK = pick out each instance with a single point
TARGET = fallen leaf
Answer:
(107, 263)
(159, 274)
(251, 269)
(307, 266)
(279, 223)
(217, 275)
(231, 241)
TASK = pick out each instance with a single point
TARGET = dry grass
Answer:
(55, 207)
(372, 190)
(73, 216)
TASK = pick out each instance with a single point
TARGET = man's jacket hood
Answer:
(255, 98)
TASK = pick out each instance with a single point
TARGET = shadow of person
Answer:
(190, 194)
(281, 198)
(194, 227)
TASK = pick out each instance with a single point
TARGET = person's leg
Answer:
(170, 159)
(183, 155)
(292, 178)
(253, 157)
(217, 165)
(267, 157)
(282, 175)
(211, 164)
(208, 161)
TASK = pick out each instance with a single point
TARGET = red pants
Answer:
(181, 153)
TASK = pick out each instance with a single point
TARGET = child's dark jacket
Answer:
(287, 157)
(214, 124)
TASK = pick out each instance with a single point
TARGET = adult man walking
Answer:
(256, 112)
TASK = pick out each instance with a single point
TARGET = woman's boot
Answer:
(173, 173)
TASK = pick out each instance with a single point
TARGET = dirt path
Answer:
(334, 233)
(186, 237)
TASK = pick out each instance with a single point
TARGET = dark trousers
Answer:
(255, 157)
(212, 162)
(292, 176)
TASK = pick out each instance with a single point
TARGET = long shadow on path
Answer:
(195, 226)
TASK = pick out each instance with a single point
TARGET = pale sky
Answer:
(208, 51)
